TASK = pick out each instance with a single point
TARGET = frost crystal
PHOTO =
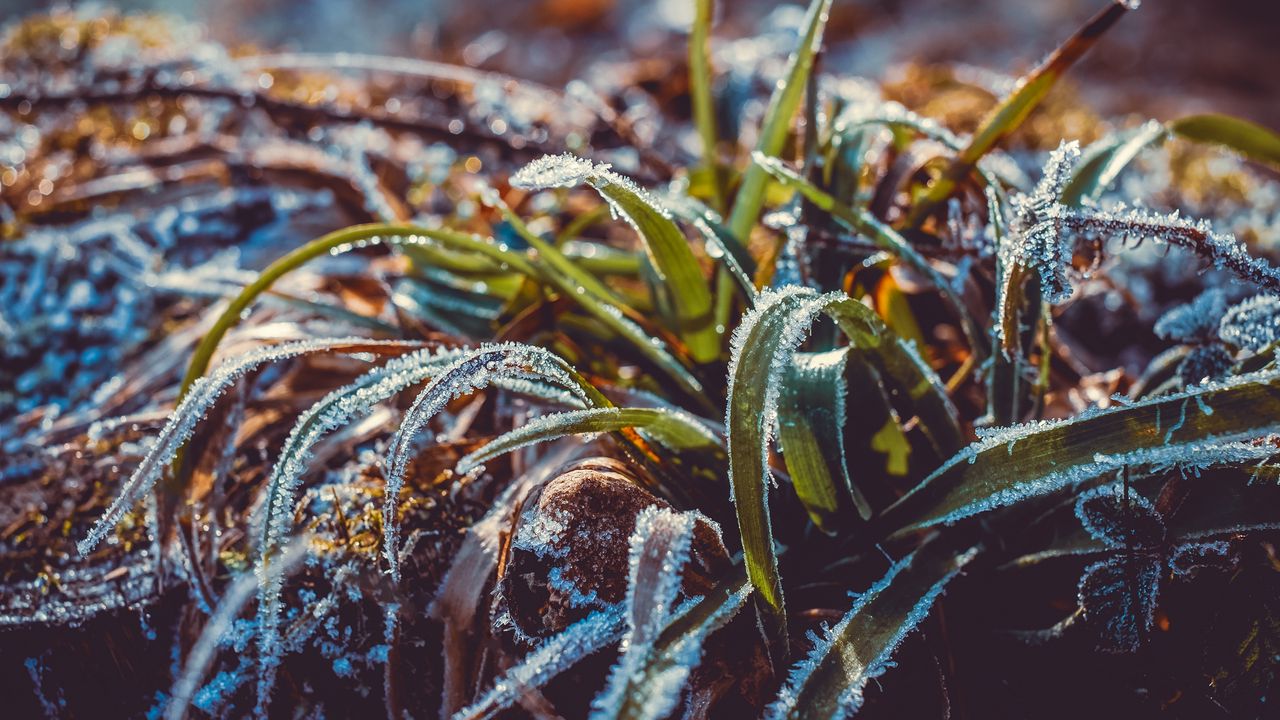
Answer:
(658, 553)
(555, 656)
(1196, 321)
(189, 412)
(1252, 324)
(473, 371)
(552, 171)
(1039, 245)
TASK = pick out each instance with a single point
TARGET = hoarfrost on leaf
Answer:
(1196, 321)
(1252, 324)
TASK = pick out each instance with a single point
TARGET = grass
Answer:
(858, 398)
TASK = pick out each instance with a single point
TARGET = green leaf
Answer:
(1009, 114)
(762, 351)
(811, 422)
(668, 250)
(675, 429)
(1250, 140)
(830, 682)
(1011, 465)
(777, 120)
(884, 236)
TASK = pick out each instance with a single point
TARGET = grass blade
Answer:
(811, 422)
(675, 429)
(668, 249)
(777, 120)
(829, 683)
(1013, 464)
(762, 350)
(1009, 114)
(704, 112)
(1249, 139)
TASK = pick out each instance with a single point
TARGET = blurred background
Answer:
(1173, 57)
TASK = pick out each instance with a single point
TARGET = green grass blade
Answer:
(673, 428)
(668, 249)
(884, 236)
(577, 284)
(357, 236)
(762, 351)
(830, 682)
(1011, 465)
(777, 120)
(1249, 139)
(1009, 114)
(1100, 167)
(811, 422)
(704, 112)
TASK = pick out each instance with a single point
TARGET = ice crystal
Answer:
(1119, 594)
(659, 550)
(556, 655)
(1119, 519)
(1205, 363)
(1038, 244)
(203, 394)
(553, 171)
(472, 372)
(1252, 324)
(1196, 321)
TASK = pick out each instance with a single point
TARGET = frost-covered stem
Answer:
(1223, 250)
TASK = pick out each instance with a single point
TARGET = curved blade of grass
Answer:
(883, 236)
(675, 429)
(1009, 114)
(472, 371)
(679, 646)
(721, 244)
(762, 350)
(668, 249)
(335, 243)
(1249, 139)
(1101, 164)
(777, 120)
(578, 284)
(704, 111)
(1010, 465)
(192, 408)
(830, 682)
(811, 421)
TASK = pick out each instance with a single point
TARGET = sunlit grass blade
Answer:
(830, 682)
(811, 422)
(1249, 139)
(668, 249)
(884, 236)
(679, 646)
(1100, 165)
(1009, 114)
(1010, 465)
(674, 429)
(704, 112)
(762, 351)
(777, 120)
